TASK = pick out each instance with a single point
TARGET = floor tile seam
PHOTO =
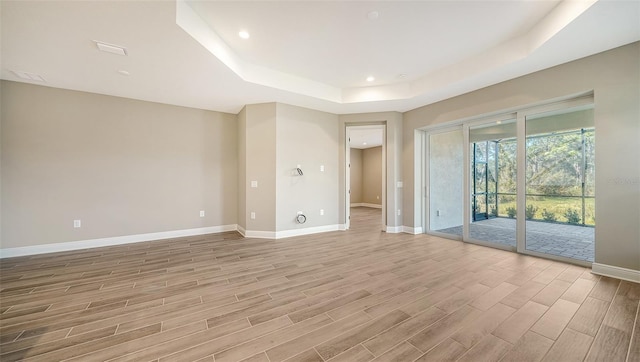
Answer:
(247, 341)
(286, 341)
(370, 320)
(60, 339)
(603, 318)
(332, 337)
(633, 332)
(150, 348)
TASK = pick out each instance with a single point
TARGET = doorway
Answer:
(521, 181)
(365, 175)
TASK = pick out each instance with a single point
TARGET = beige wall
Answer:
(355, 175)
(260, 166)
(614, 77)
(242, 169)
(310, 139)
(122, 166)
(372, 175)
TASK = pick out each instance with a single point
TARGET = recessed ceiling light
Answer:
(370, 78)
(373, 15)
(111, 48)
(244, 34)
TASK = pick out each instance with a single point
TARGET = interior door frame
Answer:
(347, 171)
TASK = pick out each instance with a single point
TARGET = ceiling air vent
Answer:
(110, 48)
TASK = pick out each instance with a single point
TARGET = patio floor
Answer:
(571, 241)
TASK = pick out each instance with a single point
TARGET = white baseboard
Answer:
(242, 231)
(364, 204)
(306, 231)
(342, 227)
(258, 234)
(394, 229)
(616, 272)
(412, 230)
(117, 240)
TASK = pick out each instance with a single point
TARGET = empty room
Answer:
(268, 181)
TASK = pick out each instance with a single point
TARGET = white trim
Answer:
(394, 229)
(306, 231)
(616, 272)
(242, 231)
(364, 204)
(342, 227)
(257, 234)
(116, 240)
(412, 230)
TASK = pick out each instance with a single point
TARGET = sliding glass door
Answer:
(492, 182)
(522, 181)
(560, 189)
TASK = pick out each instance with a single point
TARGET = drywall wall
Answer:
(242, 170)
(121, 166)
(614, 78)
(310, 139)
(446, 179)
(393, 137)
(356, 176)
(260, 159)
(372, 175)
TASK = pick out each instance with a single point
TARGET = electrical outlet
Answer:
(437, 212)
(321, 168)
(378, 197)
(254, 184)
(321, 212)
(399, 212)
(201, 213)
(77, 223)
(253, 215)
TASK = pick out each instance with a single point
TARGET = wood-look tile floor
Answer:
(359, 295)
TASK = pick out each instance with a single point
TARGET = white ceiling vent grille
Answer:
(110, 48)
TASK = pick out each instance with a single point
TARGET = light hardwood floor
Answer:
(359, 295)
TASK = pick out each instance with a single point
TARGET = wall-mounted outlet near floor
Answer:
(399, 212)
(321, 168)
(77, 223)
(253, 215)
(201, 213)
(321, 212)
(437, 212)
(378, 197)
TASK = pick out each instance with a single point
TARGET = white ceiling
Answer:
(363, 137)
(314, 54)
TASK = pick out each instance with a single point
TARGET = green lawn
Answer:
(556, 205)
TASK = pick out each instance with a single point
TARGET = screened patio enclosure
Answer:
(557, 208)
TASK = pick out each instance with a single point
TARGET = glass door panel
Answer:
(492, 155)
(559, 176)
(445, 179)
